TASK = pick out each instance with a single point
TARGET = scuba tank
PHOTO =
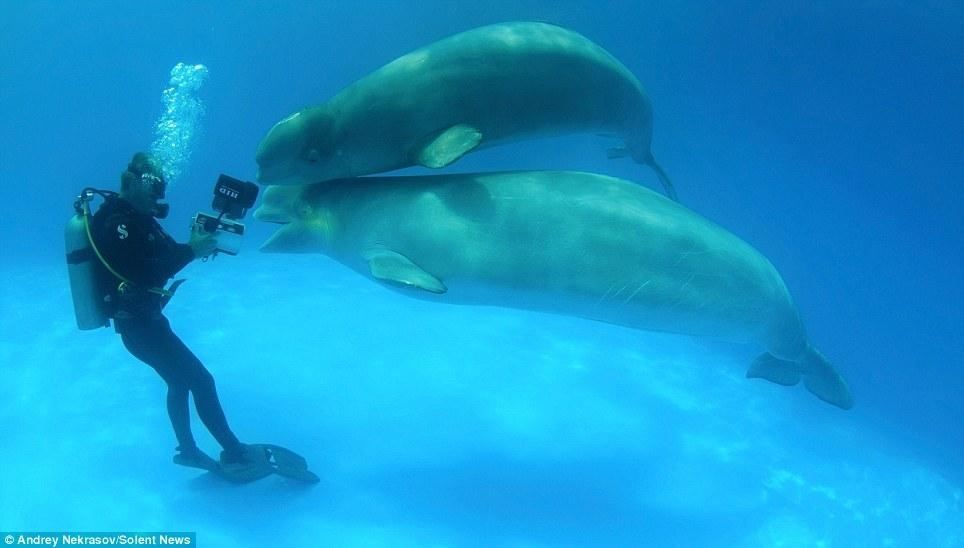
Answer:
(90, 300)
(89, 305)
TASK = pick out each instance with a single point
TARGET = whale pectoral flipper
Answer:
(769, 367)
(394, 267)
(668, 187)
(822, 380)
(448, 146)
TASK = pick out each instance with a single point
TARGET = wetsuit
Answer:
(137, 248)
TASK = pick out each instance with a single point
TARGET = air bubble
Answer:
(177, 128)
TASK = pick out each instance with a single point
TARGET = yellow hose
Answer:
(90, 238)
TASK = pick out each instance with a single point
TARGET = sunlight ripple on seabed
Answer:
(414, 404)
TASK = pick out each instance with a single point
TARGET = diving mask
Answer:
(158, 188)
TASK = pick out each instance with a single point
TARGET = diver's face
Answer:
(155, 186)
(146, 193)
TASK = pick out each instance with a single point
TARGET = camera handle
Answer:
(210, 226)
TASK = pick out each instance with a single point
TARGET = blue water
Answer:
(828, 136)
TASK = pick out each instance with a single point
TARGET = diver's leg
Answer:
(201, 384)
(209, 408)
(180, 413)
(145, 340)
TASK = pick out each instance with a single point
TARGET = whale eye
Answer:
(312, 155)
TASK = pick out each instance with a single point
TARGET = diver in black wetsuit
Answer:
(135, 247)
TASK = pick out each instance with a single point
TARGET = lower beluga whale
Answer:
(484, 87)
(569, 243)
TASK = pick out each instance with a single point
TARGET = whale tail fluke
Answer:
(818, 375)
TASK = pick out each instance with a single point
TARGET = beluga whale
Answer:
(571, 243)
(484, 87)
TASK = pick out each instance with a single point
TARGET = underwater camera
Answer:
(232, 198)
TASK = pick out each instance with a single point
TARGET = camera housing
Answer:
(232, 199)
(228, 232)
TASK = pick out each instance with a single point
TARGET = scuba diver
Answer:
(137, 259)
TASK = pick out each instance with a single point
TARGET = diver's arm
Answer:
(202, 243)
(177, 256)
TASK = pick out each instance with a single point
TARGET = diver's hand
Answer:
(202, 243)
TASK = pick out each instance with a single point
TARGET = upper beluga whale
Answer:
(483, 87)
(563, 242)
